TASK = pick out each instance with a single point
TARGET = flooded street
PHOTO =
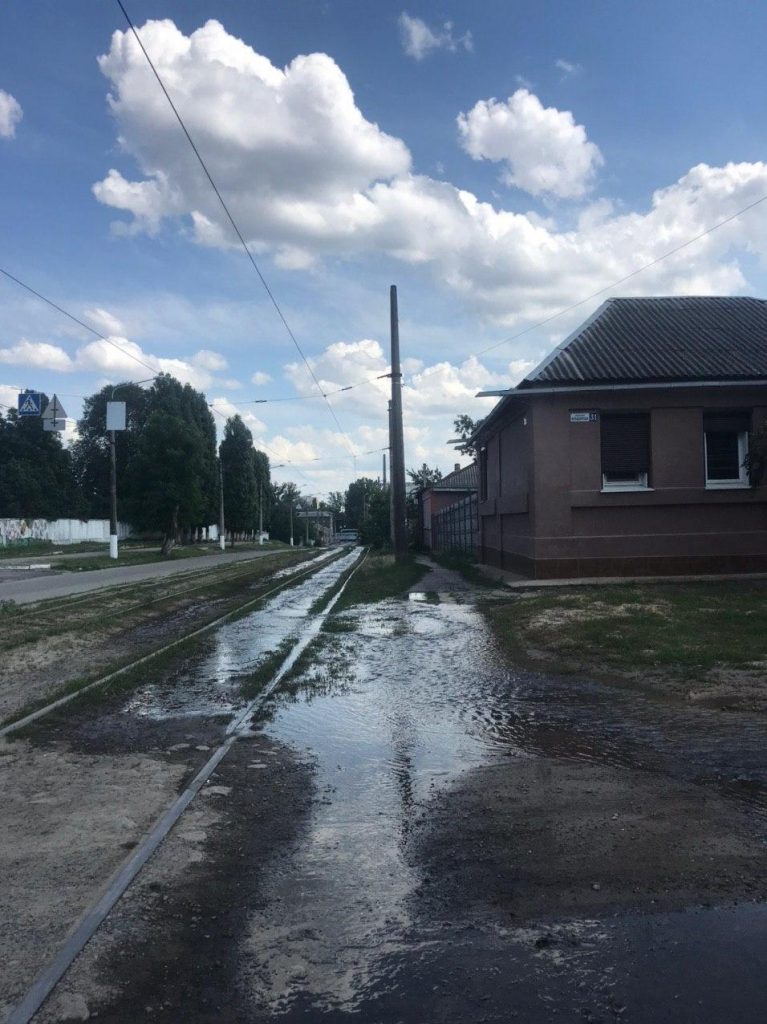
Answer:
(411, 829)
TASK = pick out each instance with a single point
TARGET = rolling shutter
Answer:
(626, 443)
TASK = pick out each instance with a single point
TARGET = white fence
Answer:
(59, 531)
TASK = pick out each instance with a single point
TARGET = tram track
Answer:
(291, 579)
(127, 872)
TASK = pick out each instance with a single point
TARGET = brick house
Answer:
(623, 452)
(461, 483)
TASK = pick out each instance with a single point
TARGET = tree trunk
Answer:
(170, 536)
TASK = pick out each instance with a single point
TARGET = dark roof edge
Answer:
(566, 389)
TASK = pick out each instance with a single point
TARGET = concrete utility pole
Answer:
(260, 513)
(221, 527)
(291, 524)
(384, 470)
(396, 439)
(113, 496)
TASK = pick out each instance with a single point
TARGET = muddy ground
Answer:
(415, 829)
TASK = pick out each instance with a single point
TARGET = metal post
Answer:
(384, 470)
(396, 439)
(291, 524)
(113, 495)
(260, 513)
(221, 526)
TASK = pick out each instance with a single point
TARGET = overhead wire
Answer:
(240, 236)
(304, 398)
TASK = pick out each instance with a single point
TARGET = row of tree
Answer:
(167, 466)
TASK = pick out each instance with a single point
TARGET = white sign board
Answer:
(115, 415)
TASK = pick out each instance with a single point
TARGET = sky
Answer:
(497, 162)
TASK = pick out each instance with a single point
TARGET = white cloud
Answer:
(419, 40)
(310, 177)
(37, 354)
(289, 148)
(544, 150)
(208, 360)
(116, 357)
(222, 405)
(10, 115)
(567, 67)
(104, 321)
(259, 377)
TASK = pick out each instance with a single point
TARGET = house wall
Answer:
(573, 528)
(506, 515)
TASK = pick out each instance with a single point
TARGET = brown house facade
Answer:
(450, 489)
(623, 453)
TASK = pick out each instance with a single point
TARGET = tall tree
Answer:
(165, 477)
(90, 452)
(239, 474)
(464, 427)
(425, 476)
(36, 474)
(262, 473)
(358, 495)
(375, 528)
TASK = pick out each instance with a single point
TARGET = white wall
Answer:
(59, 531)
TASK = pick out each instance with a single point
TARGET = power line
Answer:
(232, 221)
(77, 320)
(622, 280)
(305, 398)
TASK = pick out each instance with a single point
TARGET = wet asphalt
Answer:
(322, 893)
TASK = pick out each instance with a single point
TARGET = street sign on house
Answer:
(55, 416)
(29, 403)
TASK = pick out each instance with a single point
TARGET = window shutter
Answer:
(626, 443)
(726, 422)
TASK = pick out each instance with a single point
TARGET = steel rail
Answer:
(33, 716)
(93, 918)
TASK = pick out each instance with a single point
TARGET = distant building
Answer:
(623, 452)
(461, 483)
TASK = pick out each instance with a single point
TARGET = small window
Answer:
(625, 451)
(725, 446)
(483, 474)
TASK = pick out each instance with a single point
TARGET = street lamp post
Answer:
(221, 525)
(115, 420)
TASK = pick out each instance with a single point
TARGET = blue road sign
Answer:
(30, 403)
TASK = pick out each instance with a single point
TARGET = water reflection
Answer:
(421, 695)
(212, 685)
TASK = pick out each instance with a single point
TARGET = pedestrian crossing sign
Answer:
(29, 403)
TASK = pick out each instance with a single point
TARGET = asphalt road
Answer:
(39, 585)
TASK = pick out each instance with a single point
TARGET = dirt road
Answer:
(413, 830)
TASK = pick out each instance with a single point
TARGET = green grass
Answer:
(380, 577)
(682, 628)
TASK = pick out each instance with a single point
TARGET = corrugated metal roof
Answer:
(460, 479)
(662, 339)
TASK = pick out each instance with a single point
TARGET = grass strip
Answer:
(379, 578)
(681, 628)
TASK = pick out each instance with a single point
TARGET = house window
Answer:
(625, 451)
(725, 446)
(483, 474)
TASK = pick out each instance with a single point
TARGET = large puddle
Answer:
(413, 696)
(213, 684)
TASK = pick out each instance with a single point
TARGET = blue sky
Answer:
(497, 162)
